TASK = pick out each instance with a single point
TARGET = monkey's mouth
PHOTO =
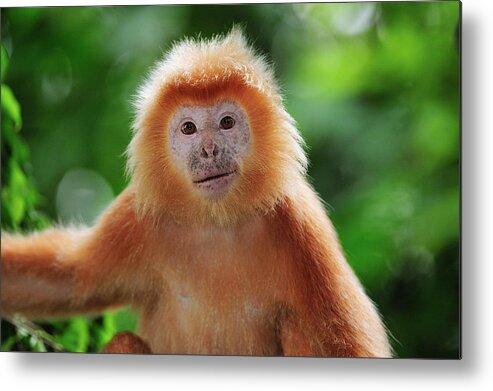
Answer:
(214, 177)
(215, 186)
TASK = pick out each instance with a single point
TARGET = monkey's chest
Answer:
(220, 292)
(195, 324)
(215, 310)
(192, 322)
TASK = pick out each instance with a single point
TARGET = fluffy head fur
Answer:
(204, 72)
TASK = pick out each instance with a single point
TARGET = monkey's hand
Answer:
(127, 342)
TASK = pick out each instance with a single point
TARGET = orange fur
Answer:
(257, 272)
(126, 342)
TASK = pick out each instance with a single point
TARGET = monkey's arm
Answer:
(61, 272)
(328, 312)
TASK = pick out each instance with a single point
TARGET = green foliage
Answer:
(5, 62)
(374, 88)
(19, 196)
(20, 201)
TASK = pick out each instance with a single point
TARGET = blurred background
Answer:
(374, 88)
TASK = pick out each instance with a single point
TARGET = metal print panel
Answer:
(262, 180)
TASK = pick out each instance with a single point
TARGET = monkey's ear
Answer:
(127, 342)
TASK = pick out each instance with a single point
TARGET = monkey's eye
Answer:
(188, 128)
(227, 122)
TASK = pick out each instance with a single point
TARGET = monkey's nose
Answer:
(209, 150)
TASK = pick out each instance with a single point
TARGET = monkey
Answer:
(219, 242)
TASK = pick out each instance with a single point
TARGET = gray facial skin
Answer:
(210, 155)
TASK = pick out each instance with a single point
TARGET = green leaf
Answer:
(125, 320)
(20, 151)
(18, 181)
(5, 62)
(17, 210)
(15, 194)
(109, 325)
(75, 338)
(10, 107)
(8, 343)
(14, 206)
(36, 344)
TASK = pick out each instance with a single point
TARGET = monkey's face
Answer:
(209, 144)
